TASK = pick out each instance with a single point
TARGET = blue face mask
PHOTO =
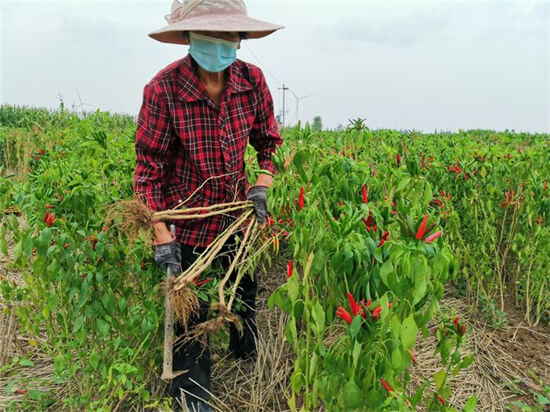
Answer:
(213, 55)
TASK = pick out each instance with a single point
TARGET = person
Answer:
(197, 116)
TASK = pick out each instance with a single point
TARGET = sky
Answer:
(430, 65)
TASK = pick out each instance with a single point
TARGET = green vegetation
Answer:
(379, 224)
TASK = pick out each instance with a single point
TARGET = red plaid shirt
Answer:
(183, 138)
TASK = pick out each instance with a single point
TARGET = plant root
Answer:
(202, 330)
(185, 302)
(135, 216)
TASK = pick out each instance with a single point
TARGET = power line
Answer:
(262, 64)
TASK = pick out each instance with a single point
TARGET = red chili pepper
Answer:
(289, 269)
(340, 203)
(355, 307)
(441, 399)
(143, 266)
(398, 159)
(366, 304)
(386, 386)
(21, 391)
(199, 283)
(412, 356)
(49, 219)
(66, 245)
(301, 198)
(365, 194)
(42, 151)
(368, 221)
(376, 313)
(385, 237)
(94, 240)
(49, 207)
(422, 227)
(455, 322)
(545, 186)
(433, 237)
(283, 210)
(344, 314)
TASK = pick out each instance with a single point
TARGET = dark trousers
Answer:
(187, 356)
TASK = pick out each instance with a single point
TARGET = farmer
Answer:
(197, 116)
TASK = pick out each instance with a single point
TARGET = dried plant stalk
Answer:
(201, 331)
(137, 217)
(184, 298)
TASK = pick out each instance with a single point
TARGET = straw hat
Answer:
(210, 15)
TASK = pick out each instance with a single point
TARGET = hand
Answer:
(258, 195)
(169, 255)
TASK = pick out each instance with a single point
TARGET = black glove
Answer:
(258, 195)
(169, 254)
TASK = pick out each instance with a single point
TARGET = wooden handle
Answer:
(167, 363)
(167, 372)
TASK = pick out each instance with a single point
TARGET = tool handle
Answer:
(167, 364)
(167, 371)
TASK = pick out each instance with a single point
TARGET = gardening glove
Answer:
(169, 255)
(258, 195)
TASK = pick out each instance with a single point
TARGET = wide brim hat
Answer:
(210, 15)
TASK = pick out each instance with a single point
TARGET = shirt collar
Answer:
(191, 89)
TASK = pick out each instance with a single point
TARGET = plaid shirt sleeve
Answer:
(154, 136)
(264, 135)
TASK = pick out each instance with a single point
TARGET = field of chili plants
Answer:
(378, 227)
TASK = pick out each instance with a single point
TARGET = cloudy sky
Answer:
(428, 65)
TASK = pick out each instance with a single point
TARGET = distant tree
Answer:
(317, 124)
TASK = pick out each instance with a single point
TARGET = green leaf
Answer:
(293, 288)
(467, 361)
(102, 328)
(94, 359)
(420, 284)
(395, 328)
(52, 302)
(299, 159)
(18, 252)
(408, 332)
(385, 270)
(543, 400)
(396, 359)
(356, 352)
(297, 380)
(471, 404)
(3, 246)
(352, 395)
(298, 309)
(355, 326)
(26, 362)
(319, 318)
(78, 324)
(35, 395)
(403, 184)
(439, 379)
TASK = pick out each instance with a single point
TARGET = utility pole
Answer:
(284, 89)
